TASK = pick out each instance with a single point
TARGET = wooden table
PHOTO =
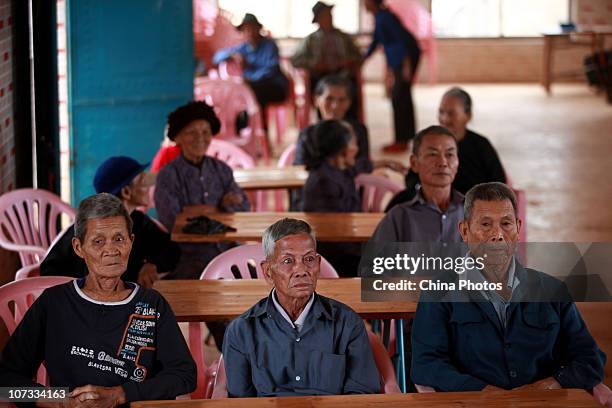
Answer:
(515, 399)
(333, 227)
(554, 41)
(206, 300)
(268, 177)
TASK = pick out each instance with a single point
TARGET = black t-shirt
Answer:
(478, 163)
(135, 343)
(151, 244)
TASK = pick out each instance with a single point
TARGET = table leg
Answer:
(401, 363)
(547, 63)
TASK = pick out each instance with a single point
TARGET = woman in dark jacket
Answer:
(330, 187)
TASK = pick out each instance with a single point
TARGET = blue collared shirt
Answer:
(260, 62)
(499, 303)
(266, 356)
(463, 346)
(396, 40)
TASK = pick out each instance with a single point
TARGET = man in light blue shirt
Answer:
(259, 60)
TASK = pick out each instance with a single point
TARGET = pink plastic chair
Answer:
(21, 295)
(244, 255)
(521, 200)
(384, 365)
(29, 222)
(373, 191)
(276, 113)
(212, 30)
(30, 271)
(237, 158)
(230, 97)
(286, 159)
(418, 20)
(220, 384)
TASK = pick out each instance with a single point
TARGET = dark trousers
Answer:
(270, 90)
(401, 99)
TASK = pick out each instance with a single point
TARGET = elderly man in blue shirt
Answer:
(259, 59)
(529, 334)
(295, 341)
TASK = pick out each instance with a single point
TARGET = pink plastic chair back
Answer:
(384, 365)
(241, 257)
(418, 20)
(21, 295)
(231, 154)
(212, 30)
(30, 271)
(376, 191)
(220, 385)
(281, 196)
(287, 156)
(230, 97)
(29, 222)
(237, 158)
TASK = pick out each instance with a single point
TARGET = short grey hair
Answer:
(488, 192)
(102, 205)
(282, 228)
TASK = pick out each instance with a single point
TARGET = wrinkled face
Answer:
(350, 152)
(333, 103)
(294, 268)
(493, 229)
(106, 247)
(137, 192)
(194, 139)
(452, 115)
(436, 161)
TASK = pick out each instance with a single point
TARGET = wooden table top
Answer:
(205, 300)
(334, 227)
(517, 399)
(269, 177)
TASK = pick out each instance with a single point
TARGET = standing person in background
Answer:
(402, 53)
(258, 57)
(329, 51)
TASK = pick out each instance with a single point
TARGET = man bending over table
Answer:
(295, 341)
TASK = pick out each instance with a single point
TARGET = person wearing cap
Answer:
(327, 51)
(152, 253)
(402, 53)
(194, 178)
(259, 59)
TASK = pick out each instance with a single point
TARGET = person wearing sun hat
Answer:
(194, 178)
(152, 253)
(258, 57)
(329, 51)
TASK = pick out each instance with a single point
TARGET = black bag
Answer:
(598, 69)
(205, 226)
